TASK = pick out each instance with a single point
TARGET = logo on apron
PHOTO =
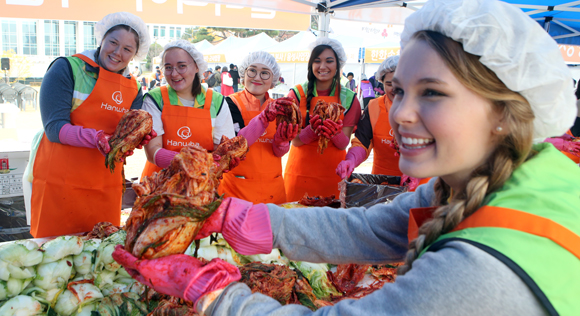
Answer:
(184, 132)
(117, 97)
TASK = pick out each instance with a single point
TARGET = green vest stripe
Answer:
(546, 185)
(216, 100)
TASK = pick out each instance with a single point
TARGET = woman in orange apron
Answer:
(374, 133)
(258, 178)
(82, 100)
(184, 112)
(307, 171)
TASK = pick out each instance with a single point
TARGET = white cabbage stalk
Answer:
(87, 309)
(80, 277)
(18, 256)
(105, 278)
(12, 287)
(67, 303)
(123, 285)
(54, 275)
(104, 259)
(4, 274)
(21, 273)
(61, 247)
(122, 273)
(273, 257)
(83, 262)
(21, 305)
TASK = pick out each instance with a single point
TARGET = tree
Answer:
(154, 51)
(224, 33)
(203, 34)
(20, 66)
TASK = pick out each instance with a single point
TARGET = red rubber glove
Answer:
(329, 128)
(410, 182)
(103, 142)
(245, 226)
(285, 132)
(565, 145)
(147, 139)
(273, 109)
(315, 122)
(178, 275)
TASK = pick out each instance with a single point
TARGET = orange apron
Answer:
(180, 124)
(258, 178)
(72, 189)
(307, 171)
(385, 160)
(574, 158)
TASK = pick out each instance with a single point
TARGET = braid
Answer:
(309, 96)
(512, 149)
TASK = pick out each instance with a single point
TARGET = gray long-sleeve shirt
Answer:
(458, 279)
(56, 97)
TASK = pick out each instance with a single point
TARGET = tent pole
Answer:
(324, 19)
(294, 75)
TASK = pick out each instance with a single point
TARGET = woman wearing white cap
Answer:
(375, 133)
(479, 81)
(258, 178)
(184, 112)
(83, 97)
(307, 171)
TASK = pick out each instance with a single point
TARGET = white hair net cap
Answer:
(523, 56)
(129, 19)
(264, 58)
(334, 44)
(191, 50)
(388, 65)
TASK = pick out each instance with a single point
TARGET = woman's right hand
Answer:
(315, 122)
(102, 141)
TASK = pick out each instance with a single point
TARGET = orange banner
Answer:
(179, 12)
(215, 58)
(571, 53)
(377, 55)
(292, 57)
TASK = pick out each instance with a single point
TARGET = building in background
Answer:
(41, 41)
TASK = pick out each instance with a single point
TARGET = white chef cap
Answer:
(523, 56)
(334, 44)
(264, 58)
(129, 19)
(191, 50)
(388, 65)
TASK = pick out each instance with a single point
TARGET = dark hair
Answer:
(312, 78)
(218, 67)
(578, 93)
(196, 87)
(350, 74)
(231, 66)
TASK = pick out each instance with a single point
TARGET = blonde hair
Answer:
(513, 148)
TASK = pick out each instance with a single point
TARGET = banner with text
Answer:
(570, 53)
(377, 55)
(291, 57)
(179, 12)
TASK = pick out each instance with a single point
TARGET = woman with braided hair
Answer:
(307, 171)
(497, 229)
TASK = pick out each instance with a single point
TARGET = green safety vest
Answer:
(346, 97)
(543, 244)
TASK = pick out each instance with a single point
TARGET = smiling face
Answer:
(117, 50)
(256, 85)
(324, 66)
(443, 128)
(179, 60)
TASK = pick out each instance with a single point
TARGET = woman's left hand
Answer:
(285, 132)
(329, 128)
(178, 275)
(146, 139)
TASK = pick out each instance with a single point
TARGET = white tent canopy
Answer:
(233, 49)
(203, 45)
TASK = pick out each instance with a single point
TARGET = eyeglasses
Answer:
(264, 74)
(181, 69)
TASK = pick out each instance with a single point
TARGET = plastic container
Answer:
(371, 191)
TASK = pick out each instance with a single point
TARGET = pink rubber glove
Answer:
(307, 135)
(79, 136)
(565, 145)
(355, 156)
(285, 132)
(410, 182)
(163, 157)
(315, 122)
(273, 109)
(253, 130)
(178, 275)
(329, 128)
(245, 226)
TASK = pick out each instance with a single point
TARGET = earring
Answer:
(499, 129)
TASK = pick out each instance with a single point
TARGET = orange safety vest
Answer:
(72, 189)
(307, 171)
(258, 178)
(180, 124)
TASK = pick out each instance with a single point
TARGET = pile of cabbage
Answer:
(66, 276)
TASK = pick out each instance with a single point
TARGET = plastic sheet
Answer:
(371, 191)
(13, 219)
